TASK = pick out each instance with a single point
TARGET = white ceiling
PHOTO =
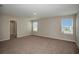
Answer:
(41, 10)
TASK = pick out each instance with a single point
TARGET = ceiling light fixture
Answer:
(34, 13)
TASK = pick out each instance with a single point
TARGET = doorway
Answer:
(13, 29)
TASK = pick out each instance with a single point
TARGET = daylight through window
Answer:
(67, 25)
(35, 26)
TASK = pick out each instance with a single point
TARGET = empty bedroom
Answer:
(39, 28)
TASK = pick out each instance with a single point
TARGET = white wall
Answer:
(77, 29)
(0, 26)
(5, 28)
(23, 26)
(51, 27)
(48, 27)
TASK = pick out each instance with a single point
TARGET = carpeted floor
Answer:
(37, 45)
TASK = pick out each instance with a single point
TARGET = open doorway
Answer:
(13, 29)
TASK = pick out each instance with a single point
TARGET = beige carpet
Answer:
(37, 45)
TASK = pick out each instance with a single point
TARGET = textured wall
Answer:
(0, 26)
(51, 27)
(23, 26)
(77, 29)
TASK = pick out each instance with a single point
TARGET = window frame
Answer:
(32, 25)
(63, 25)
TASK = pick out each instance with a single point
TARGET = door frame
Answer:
(15, 28)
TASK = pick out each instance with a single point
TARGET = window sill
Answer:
(67, 33)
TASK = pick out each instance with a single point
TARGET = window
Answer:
(35, 26)
(67, 25)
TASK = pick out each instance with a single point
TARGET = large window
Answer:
(35, 26)
(67, 25)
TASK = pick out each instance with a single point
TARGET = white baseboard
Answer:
(4, 39)
(42, 36)
(57, 38)
(20, 36)
(65, 39)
